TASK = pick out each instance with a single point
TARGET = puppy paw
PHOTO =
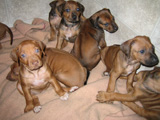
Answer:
(37, 109)
(28, 108)
(65, 96)
(105, 73)
(103, 96)
(73, 89)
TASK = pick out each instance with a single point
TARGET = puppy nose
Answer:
(74, 16)
(115, 28)
(35, 62)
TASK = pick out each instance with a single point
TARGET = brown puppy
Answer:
(72, 18)
(91, 39)
(146, 91)
(35, 74)
(3, 29)
(125, 59)
(55, 18)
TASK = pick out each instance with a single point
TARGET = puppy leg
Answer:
(28, 98)
(59, 90)
(151, 115)
(59, 42)
(36, 103)
(53, 34)
(130, 81)
(112, 81)
(103, 96)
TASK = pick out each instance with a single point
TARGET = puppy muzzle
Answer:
(152, 61)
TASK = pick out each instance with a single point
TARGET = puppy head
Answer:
(141, 49)
(29, 53)
(71, 11)
(152, 80)
(103, 19)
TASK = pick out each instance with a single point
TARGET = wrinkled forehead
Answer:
(72, 5)
(27, 47)
(142, 43)
(105, 16)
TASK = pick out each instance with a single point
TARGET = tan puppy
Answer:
(35, 74)
(92, 38)
(146, 91)
(125, 59)
(72, 18)
(3, 29)
(54, 18)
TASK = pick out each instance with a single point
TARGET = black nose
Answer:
(74, 16)
(115, 28)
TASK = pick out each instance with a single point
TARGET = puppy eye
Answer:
(78, 9)
(23, 55)
(142, 51)
(37, 50)
(67, 10)
(106, 24)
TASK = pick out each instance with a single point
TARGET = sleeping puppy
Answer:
(146, 91)
(72, 18)
(91, 38)
(125, 59)
(54, 18)
(35, 74)
(3, 29)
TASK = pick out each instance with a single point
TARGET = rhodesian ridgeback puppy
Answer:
(3, 29)
(125, 59)
(72, 18)
(54, 18)
(36, 72)
(146, 91)
(91, 38)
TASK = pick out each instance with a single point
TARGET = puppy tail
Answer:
(88, 74)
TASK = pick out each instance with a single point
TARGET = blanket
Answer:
(81, 105)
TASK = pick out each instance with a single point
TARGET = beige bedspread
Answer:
(81, 105)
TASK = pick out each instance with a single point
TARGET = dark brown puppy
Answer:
(54, 18)
(3, 29)
(91, 39)
(146, 91)
(125, 59)
(72, 18)
(35, 73)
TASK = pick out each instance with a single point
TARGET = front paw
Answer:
(37, 109)
(65, 96)
(103, 96)
(28, 108)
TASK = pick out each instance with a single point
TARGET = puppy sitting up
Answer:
(72, 18)
(34, 73)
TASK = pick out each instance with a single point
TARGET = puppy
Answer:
(146, 91)
(91, 38)
(35, 74)
(72, 18)
(125, 59)
(3, 29)
(54, 18)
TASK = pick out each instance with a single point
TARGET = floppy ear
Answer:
(126, 47)
(81, 7)
(60, 8)
(14, 55)
(53, 4)
(42, 46)
(94, 20)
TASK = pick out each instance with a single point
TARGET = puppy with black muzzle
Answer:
(91, 38)
(72, 18)
(125, 59)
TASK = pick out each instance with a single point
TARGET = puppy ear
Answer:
(126, 47)
(53, 4)
(60, 8)
(81, 7)
(42, 46)
(14, 55)
(94, 20)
